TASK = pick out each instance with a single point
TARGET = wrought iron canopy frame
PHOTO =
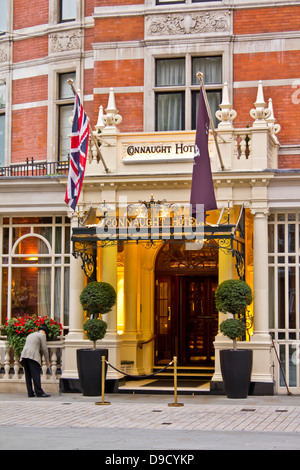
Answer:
(227, 237)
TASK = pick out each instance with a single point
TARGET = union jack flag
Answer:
(79, 148)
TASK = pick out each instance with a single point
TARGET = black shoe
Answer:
(31, 395)
(43, 395)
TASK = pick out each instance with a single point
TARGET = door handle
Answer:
(169, 313)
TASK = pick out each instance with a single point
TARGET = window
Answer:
(170, 104)
(3, 16)
(65, 111)
(177, 90)
(284, 291)
(212, 77)
(2, 123)
(35, 267)
(68, 10)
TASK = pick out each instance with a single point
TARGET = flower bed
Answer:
(17, 329)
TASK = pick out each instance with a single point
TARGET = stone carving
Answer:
(3, 52)
(64, 41)
(194, 23)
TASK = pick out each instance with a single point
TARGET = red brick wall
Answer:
(288, 161)
(30, 89)
(286, 112)
(130, 106)
(111, 73)
(119, 29)
(281, 65)
(30, 49)
(29, 140)
(266, 65)
(30, 13)
(88, 7)
(266, 20)
(88, 39)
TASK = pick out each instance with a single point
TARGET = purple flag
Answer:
(202, 191)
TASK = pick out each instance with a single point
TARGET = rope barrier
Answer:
(104, 362)
(140, 376)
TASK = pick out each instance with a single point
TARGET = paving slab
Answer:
(149, 423)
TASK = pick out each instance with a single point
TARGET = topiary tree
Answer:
(233, 296)
(95, 329)
(97, 298)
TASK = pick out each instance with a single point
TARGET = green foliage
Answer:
(95, 329)
(98, 298)
(233, 296)
(233, 328)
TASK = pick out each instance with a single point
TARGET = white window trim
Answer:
(286, 342)
(54, 13)
(165, 52)
(53, 111)
(55, 257)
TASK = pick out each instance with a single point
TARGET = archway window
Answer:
(35, 264)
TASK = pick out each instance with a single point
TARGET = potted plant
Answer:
(233, 296)
(97, 298)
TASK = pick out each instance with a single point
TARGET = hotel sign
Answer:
(158, 151)
(150, 222)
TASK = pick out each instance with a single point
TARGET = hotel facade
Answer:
(135, 65)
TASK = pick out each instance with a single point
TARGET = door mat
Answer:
(180, 383)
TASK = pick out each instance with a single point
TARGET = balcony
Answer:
(33, 168)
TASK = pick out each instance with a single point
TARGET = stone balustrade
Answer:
(12, 378)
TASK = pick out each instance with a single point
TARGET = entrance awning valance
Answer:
(150, 223)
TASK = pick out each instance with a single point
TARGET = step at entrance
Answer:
(190, 380)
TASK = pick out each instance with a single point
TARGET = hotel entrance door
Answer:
(186, 319)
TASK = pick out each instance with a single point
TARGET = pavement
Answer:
(149, 426)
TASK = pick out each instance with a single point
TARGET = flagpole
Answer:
(71, 83)
(200, 76)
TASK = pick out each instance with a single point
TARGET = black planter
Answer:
(236, 367)
(89, 365)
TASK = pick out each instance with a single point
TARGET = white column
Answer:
(130, 349)
(226, 271)
(74, 339)
(147, 306)
(109, 274)
(260, 275)
(76, 285)
(111, 341)
(131, 289)
(260, 342)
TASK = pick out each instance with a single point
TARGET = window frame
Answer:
(188, 89)
(59, 253)
(182, 93)
(60, 13)
(62, 102)
(2, 33)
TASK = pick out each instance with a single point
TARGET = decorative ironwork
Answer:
(35, 168)
(153, 222)
(87, 253)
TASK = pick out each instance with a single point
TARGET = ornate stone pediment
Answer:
(188, 23)
(64, 41)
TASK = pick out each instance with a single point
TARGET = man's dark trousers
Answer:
(32, 374)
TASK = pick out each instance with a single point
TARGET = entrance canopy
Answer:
(155, 222)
